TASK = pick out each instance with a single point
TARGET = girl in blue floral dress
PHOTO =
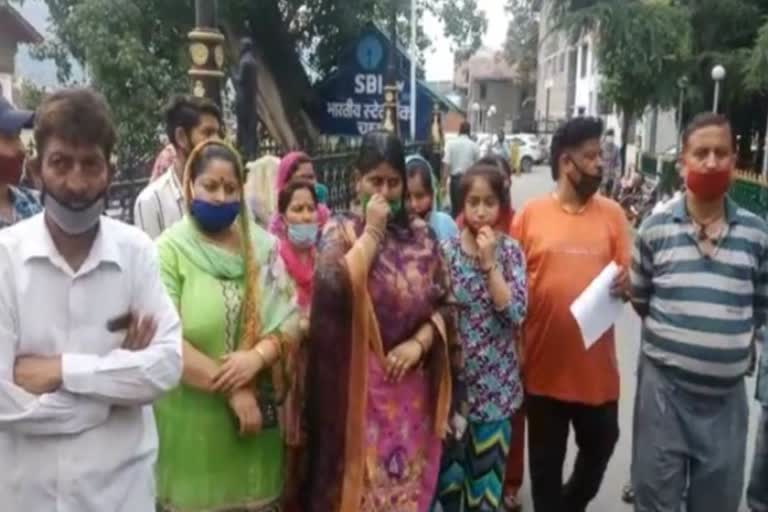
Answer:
(487, 271)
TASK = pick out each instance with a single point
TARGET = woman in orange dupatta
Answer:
(378, 382)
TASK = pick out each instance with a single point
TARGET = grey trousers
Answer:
(684, 438)
(757, 494)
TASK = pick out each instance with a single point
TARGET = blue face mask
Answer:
(303, 236)
(214, 218)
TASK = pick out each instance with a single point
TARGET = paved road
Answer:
(628, 334)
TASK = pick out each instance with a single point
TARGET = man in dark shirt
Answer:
(16, 203)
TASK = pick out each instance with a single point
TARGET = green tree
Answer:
(756, 75)
(722, 32)
(134, 51)
(522, 43)
(643, 48)
(30, 95)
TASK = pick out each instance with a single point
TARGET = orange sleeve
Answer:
(516, 228)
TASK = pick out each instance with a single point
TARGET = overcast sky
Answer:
(440, 60)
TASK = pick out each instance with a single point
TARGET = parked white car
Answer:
(533, 149)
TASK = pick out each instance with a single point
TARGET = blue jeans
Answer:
(687, 440)
(757, 493)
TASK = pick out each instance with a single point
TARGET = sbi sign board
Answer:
(351, 100)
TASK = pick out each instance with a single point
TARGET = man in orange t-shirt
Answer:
(569, 237)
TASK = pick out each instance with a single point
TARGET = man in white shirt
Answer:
(460, 155)
(189, 120)
(88, 335)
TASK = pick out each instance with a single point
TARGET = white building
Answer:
(569, 78)
(14, 30)
(568, 84)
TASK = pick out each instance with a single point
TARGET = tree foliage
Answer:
(643, 49)
(726, 32)
(30, 95)
(522, 43)
(134, 51)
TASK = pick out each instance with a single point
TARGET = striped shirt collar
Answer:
(679, 211)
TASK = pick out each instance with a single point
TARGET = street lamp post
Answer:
(414, 48)
(682, 84)
(548, 86)
(206, 51)
(476, 116)
(765, 152)
(491, 112)
(718, 74)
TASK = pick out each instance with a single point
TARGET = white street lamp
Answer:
(476, 115)
(548, 86)
(491, 112)
(718, 75)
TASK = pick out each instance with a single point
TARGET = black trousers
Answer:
(455, 191)
(549, 422)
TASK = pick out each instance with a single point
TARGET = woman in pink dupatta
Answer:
(297, 207)
(378, 382)
(296, 166)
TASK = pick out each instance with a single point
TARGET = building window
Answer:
(594, 63)
(483, 91)
(603, 105)
(584, 59)
(562, 62)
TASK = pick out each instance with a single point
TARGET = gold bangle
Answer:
(374, 232)
(423, 347)
(264, 361)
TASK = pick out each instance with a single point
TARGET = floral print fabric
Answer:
(488, 336)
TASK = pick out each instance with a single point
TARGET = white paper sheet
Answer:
(595, 310)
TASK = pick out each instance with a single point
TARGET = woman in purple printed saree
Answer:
(378, 382)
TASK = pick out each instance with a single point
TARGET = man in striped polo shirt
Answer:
(189, 120)
(700, 282)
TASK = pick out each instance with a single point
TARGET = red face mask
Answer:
(710, 185)
(11, 167)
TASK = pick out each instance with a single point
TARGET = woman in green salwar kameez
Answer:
(220, 444)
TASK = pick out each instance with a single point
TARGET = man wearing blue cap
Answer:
(16, 203)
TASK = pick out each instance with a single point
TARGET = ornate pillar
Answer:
(391, 121)
(436, 142)
(206, 51)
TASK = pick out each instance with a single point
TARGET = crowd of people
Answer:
(245, 349)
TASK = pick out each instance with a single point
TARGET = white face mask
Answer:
(73, 221)
(609, 139)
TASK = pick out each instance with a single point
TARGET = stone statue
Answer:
(245, 102)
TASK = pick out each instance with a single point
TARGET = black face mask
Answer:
(588, 185)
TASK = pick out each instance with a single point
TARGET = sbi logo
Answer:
(370, 52)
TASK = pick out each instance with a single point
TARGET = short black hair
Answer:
(610, 132)
(705, 120)
(571, 135)
(185, 111)
(77, 116)
(465, 128)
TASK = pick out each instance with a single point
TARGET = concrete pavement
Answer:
(628, 335)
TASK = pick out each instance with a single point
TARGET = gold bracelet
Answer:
(422, 345)
(376, 233)
(261, 355)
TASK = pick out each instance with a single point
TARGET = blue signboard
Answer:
(350, 101)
